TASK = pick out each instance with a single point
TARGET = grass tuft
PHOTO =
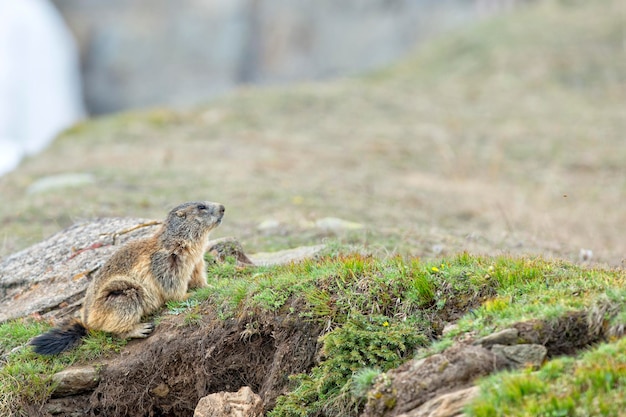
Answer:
(363, 380)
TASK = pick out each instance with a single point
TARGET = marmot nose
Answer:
(220, 210)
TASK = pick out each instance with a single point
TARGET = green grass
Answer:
(375, 313)
(25, 378)
(335, 386)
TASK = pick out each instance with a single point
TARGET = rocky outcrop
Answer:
(406, 388)
(53, 274)
(442, 384)
(522, 355)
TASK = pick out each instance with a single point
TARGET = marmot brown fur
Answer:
(140, 277)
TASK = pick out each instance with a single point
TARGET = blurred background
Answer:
(62, 57)
(178, 53)
(423, 127)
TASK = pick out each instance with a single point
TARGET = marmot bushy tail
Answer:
(60, 339)
(141, 277)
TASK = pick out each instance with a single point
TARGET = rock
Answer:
(333, 224)
(565, 335)
(268, 225)
(59, 182)
(74, 381)
(522, 355)
(228, 247)
(585, 255)
(438, 248)
(411, 385)
(286, 256)
(449, 328)
(243, 403)
(161, 390)
(446, 405)
(56, 271)
(503, 337)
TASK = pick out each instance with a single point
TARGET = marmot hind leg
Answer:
(119, 308)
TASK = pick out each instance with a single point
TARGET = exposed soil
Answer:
(167, 374)
(564, 336)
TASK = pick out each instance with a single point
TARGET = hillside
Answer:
(506, 137)
(478, 169)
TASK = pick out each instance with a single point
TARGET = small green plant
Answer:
(363, 380)
(437, 347)
(192, 318)
(98, 344)
(178, 307)
(362, 342)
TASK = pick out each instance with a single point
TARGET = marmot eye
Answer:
(201, 207)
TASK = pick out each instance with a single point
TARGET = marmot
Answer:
(140, 277)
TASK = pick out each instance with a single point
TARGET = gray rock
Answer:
(56, 272)
(449, 328)
(503, 337)
(243, 403)
(59, 182)
(416, 382)
(74, 381)
(522, 355)
(268, 225)
(333, 224)
(286, 256)
(446, 405)
(228, 247)
(438, 248)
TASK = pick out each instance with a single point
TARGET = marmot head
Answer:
(194, 219)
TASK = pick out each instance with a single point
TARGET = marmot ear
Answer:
(180, 213)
